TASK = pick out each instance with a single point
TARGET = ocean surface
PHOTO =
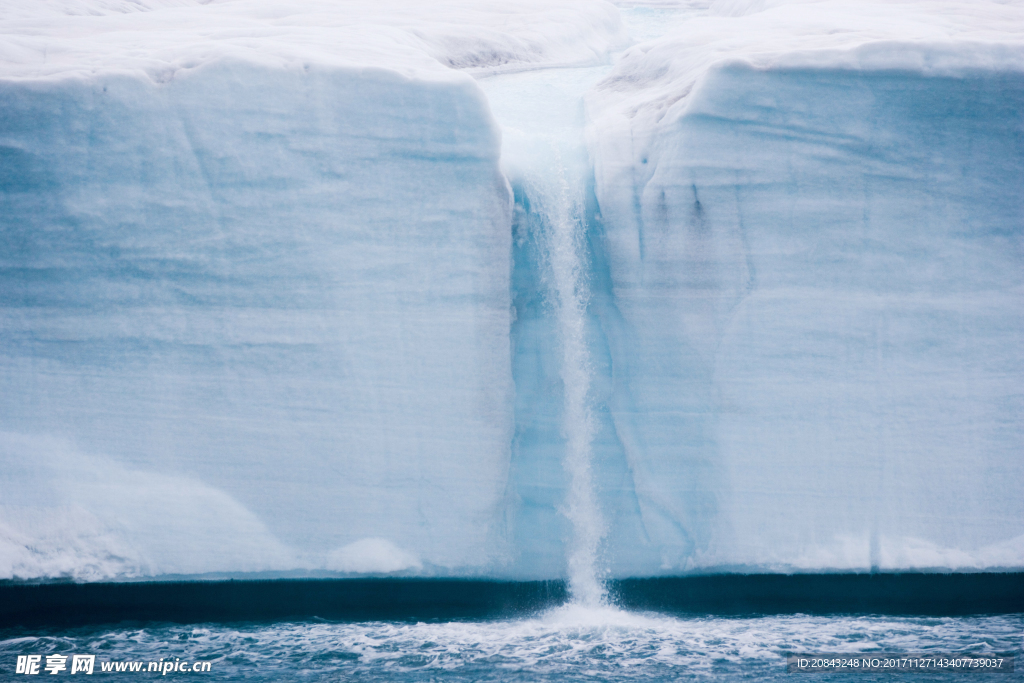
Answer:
(567, 643)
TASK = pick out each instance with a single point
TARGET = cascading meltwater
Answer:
(544, 157)
(566, 237)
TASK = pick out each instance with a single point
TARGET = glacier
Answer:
(813, 219)
(522, 291)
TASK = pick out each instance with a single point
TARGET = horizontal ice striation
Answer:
(304, 305)
(254, 283)
(257, 268)
(813, 224)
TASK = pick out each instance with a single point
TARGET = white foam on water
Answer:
(568, 642)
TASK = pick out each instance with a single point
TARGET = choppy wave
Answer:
(566, 644)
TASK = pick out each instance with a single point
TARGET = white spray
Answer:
(543, 152)
(564, 216)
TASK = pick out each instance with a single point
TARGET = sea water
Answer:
(569, 643)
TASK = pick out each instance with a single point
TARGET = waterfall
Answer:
(565, 236)
(544, 155)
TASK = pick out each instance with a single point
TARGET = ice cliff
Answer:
(275, 297)
(255, 282)
(812, 223)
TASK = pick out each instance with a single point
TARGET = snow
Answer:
(372, 556)
(167, 38)
(67, 513)
(453, 289)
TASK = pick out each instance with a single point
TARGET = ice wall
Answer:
(813, 219)
(306, 310)
(254, 284)
(275, 296)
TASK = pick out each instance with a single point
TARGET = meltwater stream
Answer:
(545, 159)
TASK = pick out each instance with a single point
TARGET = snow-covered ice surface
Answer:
(567, 644)
(165, 39)
(337, 286)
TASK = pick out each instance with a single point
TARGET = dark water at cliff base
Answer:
(920, 594)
